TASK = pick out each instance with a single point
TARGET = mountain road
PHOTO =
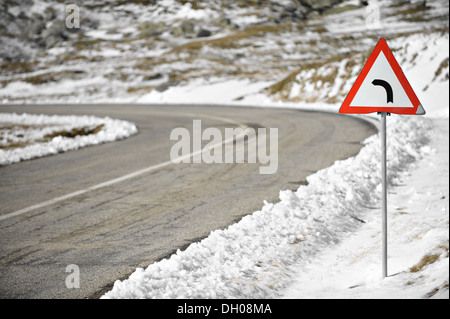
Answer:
(114, 207)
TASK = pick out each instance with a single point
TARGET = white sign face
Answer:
(381, 88)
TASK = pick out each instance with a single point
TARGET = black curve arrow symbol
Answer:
(387, 87)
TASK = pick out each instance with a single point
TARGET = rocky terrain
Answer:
(301, 53)
(299, 50)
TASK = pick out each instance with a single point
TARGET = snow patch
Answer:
(111, 130)
(256, 257)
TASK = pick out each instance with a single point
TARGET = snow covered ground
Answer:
(30, 133)
(417, 233)
(323, 240)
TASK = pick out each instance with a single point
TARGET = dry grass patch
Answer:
(47, 77)
(232, 40)
(83, 131)
(11, 144)
(430, 258)
(139, 89)
(17, 67)
(426, 260)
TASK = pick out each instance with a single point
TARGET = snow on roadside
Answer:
(111, 130)
(325, 236)
(256, 257)
(323, 241)
(418, 216)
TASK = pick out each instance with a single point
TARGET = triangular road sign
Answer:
(382, 87)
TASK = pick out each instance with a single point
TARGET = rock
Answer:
(54, 34)
(223, 22)
(50, 13)
(203, 33)
(151, 29)
(319, 5)
(184, 29)
(293, 13)
(187, 27)
(177, 31)
(152, 77)
(6, 23)
(34, 29)
(163, 87)
(15, 50)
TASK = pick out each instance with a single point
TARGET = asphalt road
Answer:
(110, 231)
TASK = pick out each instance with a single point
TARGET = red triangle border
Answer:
(381, 46)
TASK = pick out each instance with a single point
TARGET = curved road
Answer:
(109, 231)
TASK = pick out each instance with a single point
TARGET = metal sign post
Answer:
(384, 193)
(382, 71)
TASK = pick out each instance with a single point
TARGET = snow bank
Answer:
(37, 126)
(213, 91)
(417, 229)
(304, 235)
(254, 257)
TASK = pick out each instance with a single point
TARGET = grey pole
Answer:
(384, 194)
